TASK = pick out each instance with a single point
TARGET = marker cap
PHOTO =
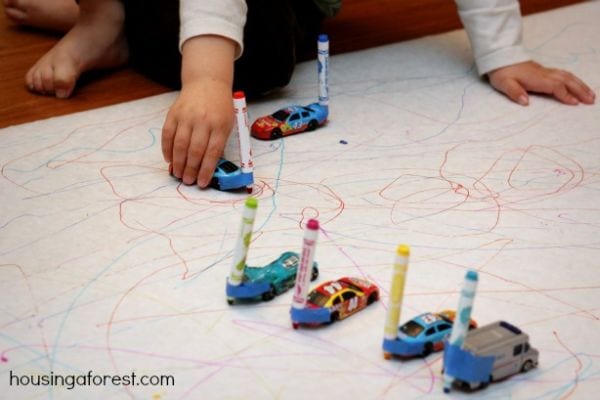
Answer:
(472, 275)
(251, 202)
(312, 224)
(239, 95)
(403, 250)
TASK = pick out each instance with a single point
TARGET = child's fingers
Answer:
(214, 150)
(181, 144)
(513, 90)
(580, 90)
(555, 87)
(168, 135)
(195, 154)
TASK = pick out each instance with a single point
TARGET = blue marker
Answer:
(323, 65)
(463, 317)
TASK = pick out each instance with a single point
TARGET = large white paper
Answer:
(109, 265)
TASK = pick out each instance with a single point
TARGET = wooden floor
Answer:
(361, 24)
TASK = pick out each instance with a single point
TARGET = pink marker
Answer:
(241, 116)
(309, 245)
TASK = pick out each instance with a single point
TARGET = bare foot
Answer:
(97, 41)
(55, 15)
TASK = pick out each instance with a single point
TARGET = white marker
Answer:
(243, 242)
(241, 116)
(323, 66)
(304, 271)
(460, 326)
(397, 292)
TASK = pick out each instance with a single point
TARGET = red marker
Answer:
(309, 245)
(241, 115)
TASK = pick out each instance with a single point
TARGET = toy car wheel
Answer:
(314, 274)
(275, 134)
(214, 183)
(312, 125)
(230, 301)
(295, 325)
(427, 349)
(372, 298)
(269, 295)
(527, 366)
(334, 317)
(387, 356)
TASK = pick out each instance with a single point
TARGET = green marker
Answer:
(243, 242)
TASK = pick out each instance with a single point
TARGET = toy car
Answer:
(289, 120)
(422, 335)
(227, 176)
(270, 280)
(490, 353)
(335, 300)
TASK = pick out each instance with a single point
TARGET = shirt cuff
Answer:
(501, 58)
(216, 26)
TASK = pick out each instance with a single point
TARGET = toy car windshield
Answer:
(280, 115)
(412, 329)
(317, 298)
(228, 166)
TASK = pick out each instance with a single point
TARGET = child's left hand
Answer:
(518, 79)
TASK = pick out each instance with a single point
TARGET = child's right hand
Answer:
(196, 130)
(200, 121)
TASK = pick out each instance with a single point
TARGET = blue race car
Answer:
(227, 176)
(270, 280)
(289, 120)
(422, 335)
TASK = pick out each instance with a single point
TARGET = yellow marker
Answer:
(397, 292)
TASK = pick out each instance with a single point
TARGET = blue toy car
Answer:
(227, 176)
(422, 335)
(270, 280)
(290, 120)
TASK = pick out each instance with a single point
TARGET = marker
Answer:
(243, 242)
(323, 68)
(309, 244)
(462, 319)
(397, 292)
(241, 115)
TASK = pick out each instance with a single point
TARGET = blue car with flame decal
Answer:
(289, 120)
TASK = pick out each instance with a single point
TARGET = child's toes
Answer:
(65, 77)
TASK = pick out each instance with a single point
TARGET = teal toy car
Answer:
(270, 280)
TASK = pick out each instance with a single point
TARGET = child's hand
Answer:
(518, 79)
(199, 123)
(196, 130)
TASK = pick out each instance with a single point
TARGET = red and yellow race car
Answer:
(289, 120)
(342, 297)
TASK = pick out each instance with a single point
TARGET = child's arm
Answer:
(199, 122)
(495, 31)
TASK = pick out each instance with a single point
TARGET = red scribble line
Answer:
(33, 302)
(577, 370)
(343, 251)
(426, 365)
(63, 140)
(580, 169)
(112, 316)
(330, 347)
(146, 230)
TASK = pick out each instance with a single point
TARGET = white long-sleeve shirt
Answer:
(493, 26)
(495, 30)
